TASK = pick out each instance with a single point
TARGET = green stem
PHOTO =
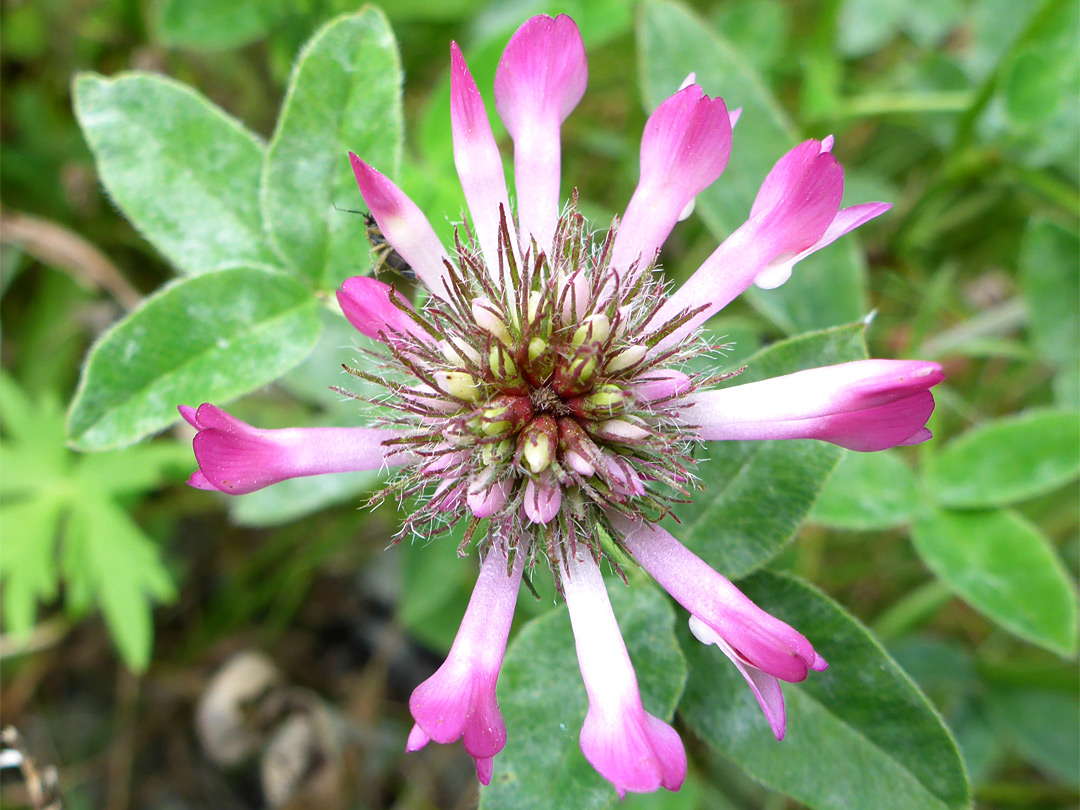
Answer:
(870, 104)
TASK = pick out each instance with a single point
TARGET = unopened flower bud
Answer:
(625, 358)
(458, 384)
(536, 298)
(619, 430)
(573, 295)
(537, 348)
(502, 366)
(594, 329)
(486, 317)
(660, 385)
(495, 452)
(506, 414)
(607, 400)
(457, 351)
(536, 446)
(575, 376)
(576, 448)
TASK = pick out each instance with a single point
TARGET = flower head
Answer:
(542, 391)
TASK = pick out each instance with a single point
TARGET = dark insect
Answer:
(383, 254)
(384, 257)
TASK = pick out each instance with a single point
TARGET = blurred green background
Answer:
(965, 115)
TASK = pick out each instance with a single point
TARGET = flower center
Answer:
(538, 396)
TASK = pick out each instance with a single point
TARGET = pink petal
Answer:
(540, 79)
(403, 224)
(236, 458)
(198, 481)
(761, 640)
(188, 413)
(418, 738)
(870, 430)
(684, 148)
(485, 501)
(459, 699)
(865, 405)
(795, 206)
(485, 767)
(632, 749)
(814, 392)
(367, 305)
(543, 497)
(766, 688)
(476, 156)
(661, 384)
(847, 219)
(637, 752)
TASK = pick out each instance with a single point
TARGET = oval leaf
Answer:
(868, 491)
(756, 494)
(1004, 567)
(208, 338)
(826, 289)
(344, 94)
(543, 702)
(860, 734)
(1008, 460)
(185, 173)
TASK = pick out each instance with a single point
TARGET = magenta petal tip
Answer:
(418, 738)
(485, 767)
(188, 413)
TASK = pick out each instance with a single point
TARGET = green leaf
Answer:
(543, 702)
(208, 338)
(33, 442)
(826, 289)
(1007, 460)
(136, 469)
(1043, 725)
(1050, 276)
(868, 491)
(756, 494)
(344, 94)
(184, 172)
(1004, 567)
(28, 564)
(107, 556)
(859, 734)
(214, 25)
(1032, 88)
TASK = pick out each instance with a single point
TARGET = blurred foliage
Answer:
(963, 113)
